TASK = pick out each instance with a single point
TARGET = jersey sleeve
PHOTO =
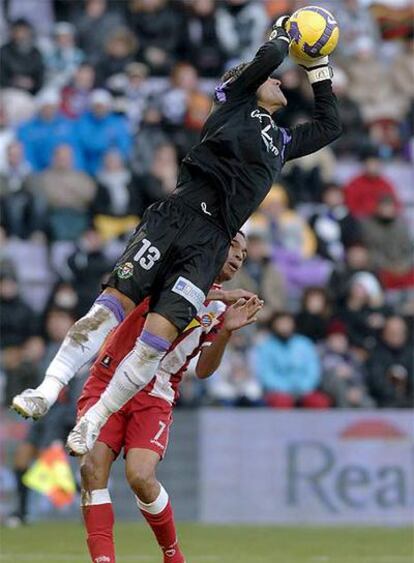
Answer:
(324, 127)
(267, 59)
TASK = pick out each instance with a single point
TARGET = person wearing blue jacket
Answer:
(287, 366)
(100, 130)
(45, 131)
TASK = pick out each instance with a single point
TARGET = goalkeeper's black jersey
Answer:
(242, 150)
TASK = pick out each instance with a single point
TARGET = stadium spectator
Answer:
(364, 311)
(75, 96)
(241, 26)
(174, 101)
(7, 134)
(354, 136)
(151, 135)
(234, 383)
(391, 366)
(131, 92)
(314, 315)
(49, 128)
(370, 86)
(356, 21)
(119, 51)
(158, 27)
(402, 70)
(287, 366)
(17, 321)
(117, 199)
(335, 228)
(21, 62)
(390, 245)
(94, 23)
(343, 375)
(23, 213)
(40, 18)
(100, 129)
(88, 265)
(294, 243)
(68, 194)
(260, 276)
(356, 259)
(363, 192)
(306, 176)
(62, 57)
(63, 297)
(161, 179)
(200, 44)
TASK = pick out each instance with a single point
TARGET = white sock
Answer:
(80, 345)
(157, 505)
(98, 496)
(50, 388)
(132, 375)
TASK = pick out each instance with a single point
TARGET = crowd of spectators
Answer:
(100, 100)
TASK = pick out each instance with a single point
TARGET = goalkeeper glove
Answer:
(317, 70)
(278, 29)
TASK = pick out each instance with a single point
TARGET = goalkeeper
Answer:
(182, 243)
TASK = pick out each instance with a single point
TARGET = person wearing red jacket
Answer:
(363, 192)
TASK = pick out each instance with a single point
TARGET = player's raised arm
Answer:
(242, 313)
(247, 77)
(326, 125)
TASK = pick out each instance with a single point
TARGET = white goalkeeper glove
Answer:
(317, 70)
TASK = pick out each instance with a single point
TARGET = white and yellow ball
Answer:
(314, 33)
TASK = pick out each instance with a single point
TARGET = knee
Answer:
(141, 479)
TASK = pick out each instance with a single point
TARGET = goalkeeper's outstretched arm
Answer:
(325, 125)
(247, 77)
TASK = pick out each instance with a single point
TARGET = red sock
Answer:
(163, 525)
(99, 523)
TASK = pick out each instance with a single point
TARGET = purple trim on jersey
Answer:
(286, 138)
(157, 342)
(220, 93)
(112, 303)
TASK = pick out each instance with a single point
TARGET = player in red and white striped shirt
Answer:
(142, 426)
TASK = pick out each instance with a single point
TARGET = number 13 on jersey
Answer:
(147, 255)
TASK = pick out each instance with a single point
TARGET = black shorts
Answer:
(174, 256)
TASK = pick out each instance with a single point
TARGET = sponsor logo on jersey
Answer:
(189, 291)
(125, 271)
(106, 361)
(266, 137)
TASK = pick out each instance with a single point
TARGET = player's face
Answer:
(270, 94)
(235, 258)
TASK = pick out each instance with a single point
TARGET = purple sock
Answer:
(112, 303)
(157, 342)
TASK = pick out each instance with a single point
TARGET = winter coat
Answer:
(287, 367)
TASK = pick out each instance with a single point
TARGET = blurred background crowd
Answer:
(100, 100)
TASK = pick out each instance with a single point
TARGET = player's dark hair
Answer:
(233, 72)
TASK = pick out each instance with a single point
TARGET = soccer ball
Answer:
(314, 33)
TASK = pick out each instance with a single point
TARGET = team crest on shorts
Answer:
(125, 271)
